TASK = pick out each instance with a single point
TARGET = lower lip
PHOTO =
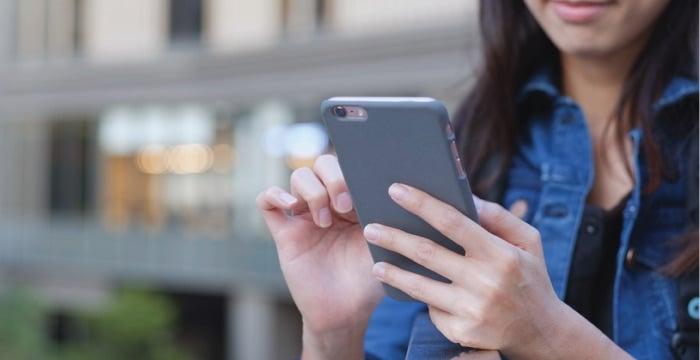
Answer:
(579, 12)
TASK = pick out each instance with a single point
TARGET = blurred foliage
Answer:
(134, 325)
(22, 319)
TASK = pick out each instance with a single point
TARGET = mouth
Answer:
(579, 12)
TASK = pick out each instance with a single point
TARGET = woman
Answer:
(581, 124)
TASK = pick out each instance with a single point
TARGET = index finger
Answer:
(328, 170)
(443, 217)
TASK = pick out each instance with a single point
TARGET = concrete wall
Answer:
(363, 17)
(24, 166)
(124, 30)
(236, 25)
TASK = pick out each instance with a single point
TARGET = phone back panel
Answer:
(403, 140)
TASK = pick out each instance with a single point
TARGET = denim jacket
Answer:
(553, 172)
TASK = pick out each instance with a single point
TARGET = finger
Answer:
(500, 222)
(328, 171)
(443, 217)
(421, 288)
(305, 183)
(272, 202)
(419, 249)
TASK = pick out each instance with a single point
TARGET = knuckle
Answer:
(496, 211)
(415, 289)
(532, 233)
(492, 295)
(451, 221)
(418, 202)
(510, 261)
(480, 317)
(388, 237)
(298, 174)
(425, 251)
(325, 159)
(337, 184)
(462, 308)
(318, 197)
(319, 164)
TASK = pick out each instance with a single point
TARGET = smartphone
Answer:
(383, 140)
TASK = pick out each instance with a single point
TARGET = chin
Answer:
(585, 51)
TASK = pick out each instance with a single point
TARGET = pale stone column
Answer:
(8, 30)
(251, 331)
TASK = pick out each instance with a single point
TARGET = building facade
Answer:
(135, 135)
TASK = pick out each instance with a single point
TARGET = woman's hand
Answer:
(324, 258)
(500, 296)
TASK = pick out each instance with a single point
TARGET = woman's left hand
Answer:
(500, 296)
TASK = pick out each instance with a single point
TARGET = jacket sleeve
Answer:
(390, 327)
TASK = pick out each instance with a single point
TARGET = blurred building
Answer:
(135, 135)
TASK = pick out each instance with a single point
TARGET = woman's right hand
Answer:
(324, 257)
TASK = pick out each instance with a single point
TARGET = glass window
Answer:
(185, 26)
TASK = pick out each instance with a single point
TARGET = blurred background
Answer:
(134, 137)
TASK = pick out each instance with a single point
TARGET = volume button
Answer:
(449, 132)
(458, 160)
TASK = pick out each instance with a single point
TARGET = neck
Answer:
(596, 83)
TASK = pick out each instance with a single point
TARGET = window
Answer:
(185, 26)
(301, 18)
(71, 177)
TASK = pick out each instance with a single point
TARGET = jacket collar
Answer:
(542, 82)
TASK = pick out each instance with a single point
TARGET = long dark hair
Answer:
(514, 46)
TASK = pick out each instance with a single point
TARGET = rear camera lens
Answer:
(339, 111)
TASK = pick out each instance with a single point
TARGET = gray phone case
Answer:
(405, 140)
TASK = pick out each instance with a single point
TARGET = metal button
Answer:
(590, 225)
(591, 229)
(630, 258)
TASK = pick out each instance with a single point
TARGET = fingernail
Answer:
(324, 217)
(343, 202)
(398, 191)
(287, 199)
(372, 233)
(379, 269)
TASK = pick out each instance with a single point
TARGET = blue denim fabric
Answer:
(553, 172)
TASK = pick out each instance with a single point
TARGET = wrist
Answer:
(345, 343)
(552, 329)
(567, 334)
